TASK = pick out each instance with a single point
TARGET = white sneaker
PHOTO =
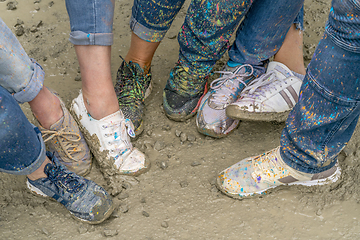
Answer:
(269, 97)
(108, 139)
(211, 118)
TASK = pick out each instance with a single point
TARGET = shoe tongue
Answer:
(115, 117)
(281, 70)
(58, 125)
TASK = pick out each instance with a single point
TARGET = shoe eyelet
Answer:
(109, 143)
(103, 126)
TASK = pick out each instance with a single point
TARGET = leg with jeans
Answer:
(23, 153)
(149, 23)
(96, 108)
(320, 124)
(23, 78)
(230, 90)
(204, 38)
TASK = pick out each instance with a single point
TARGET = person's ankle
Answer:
(39, 173)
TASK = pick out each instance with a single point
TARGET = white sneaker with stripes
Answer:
(269, 97)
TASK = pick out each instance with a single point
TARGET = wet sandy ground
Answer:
(177, 198)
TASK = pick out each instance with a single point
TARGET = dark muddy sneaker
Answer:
(132, 87)
(86, 201)
(183, 93)
(255, 176)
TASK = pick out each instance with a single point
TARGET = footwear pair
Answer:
(235, 96)
(85, 200)
(255, 176)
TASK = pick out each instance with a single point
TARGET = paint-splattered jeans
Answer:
(22, 149)
(21, 145)
(324, 119)
(19, 75)
(205, 34)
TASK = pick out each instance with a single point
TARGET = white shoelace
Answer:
(120, 132)
(228, 84)
(264, 80)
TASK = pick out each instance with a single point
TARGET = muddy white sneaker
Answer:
(269, 97)
(211, 118)
(256, 175)
(108, 139)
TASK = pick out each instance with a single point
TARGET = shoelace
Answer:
(229, 83)
(69, 145)
(126, 129)
(131, 88)
(63, 179)
(265, 79)
(265, 164)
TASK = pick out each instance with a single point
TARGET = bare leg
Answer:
(46, 108)
(97, 86)
(141, 52)
(39, 173)
(291, 52)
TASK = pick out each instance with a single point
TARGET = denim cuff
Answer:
(299, 20)
(33, 88)
(36, 163)
(82, 38)
(145, 33)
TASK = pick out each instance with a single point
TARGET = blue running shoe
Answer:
(86, 201)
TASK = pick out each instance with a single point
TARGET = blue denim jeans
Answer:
(21, 145)
(204, 36)
(19, 75)
(324, 119)
(21, 78)
(91, 21)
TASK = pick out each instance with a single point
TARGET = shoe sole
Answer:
(177, 116)
(98, 155)
(207, 132)
(331, 179)
(37, 192)
(234, 112)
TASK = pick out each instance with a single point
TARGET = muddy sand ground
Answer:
(177, 198)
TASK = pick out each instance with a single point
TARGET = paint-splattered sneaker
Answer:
(85, 200)
(66, 141)
(269, 97)
(182, 94)
(109, 141)
(254, 176)
(132, 87)
(211, 118)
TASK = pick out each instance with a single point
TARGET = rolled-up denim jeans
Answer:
(208, 26)
(19, 75)
(324, 119)
(91, 21)
(21, 145)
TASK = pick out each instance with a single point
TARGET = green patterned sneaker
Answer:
(254, 176)
(183, 93)
(132, 87)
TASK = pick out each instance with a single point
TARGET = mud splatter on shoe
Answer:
(66, 141)
(254, 176)
(85, 200)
